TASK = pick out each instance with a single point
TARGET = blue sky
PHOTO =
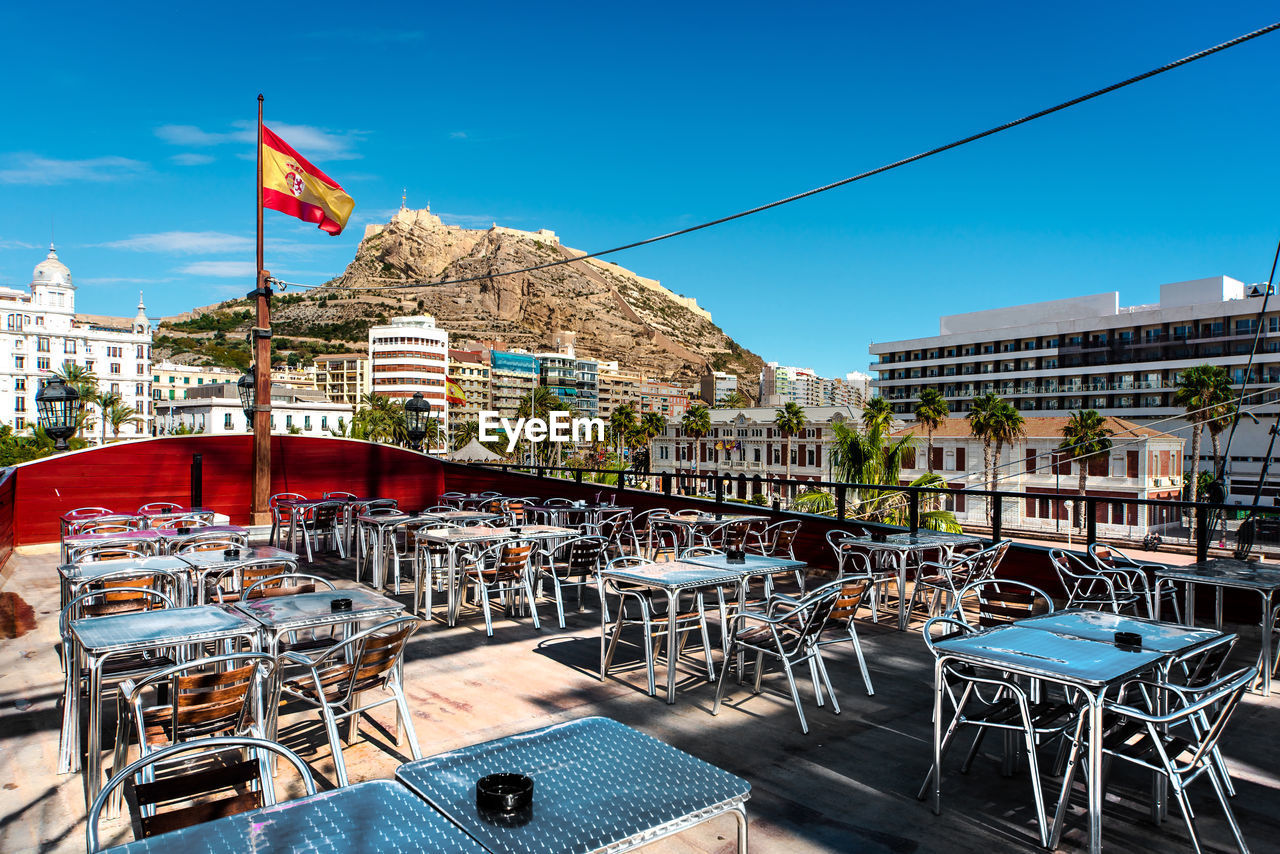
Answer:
(130, 127)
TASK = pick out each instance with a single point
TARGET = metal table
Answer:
(376, 817)
(689, 523)
(279, 615)
(171, 539)
(1220, 574)
(598, 786)
(99, 638)
(452, 539)
(148, 537)
(900, 548)
(462, 517)
(751, 567)
(379, 527)
(76, 576)
(158, 520)
(1047, 653)
(204, 564)
(672, 578)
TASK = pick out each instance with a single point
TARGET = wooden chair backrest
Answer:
(173, 789)
(368, 666)
(1001, 602)
(112, 600)
(850, 599)
(202, 704)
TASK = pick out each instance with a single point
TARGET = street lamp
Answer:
(58, 405)
(244, 386)
(417, 412)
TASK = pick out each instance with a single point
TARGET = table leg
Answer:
(673, 646)
(455, 595)
(1094, 783)
(740, 814)
(69, 744)
(938, 687)
(94, 768)
(902, 590)
(1155, 608)
(1267, 651)
(1189, 603)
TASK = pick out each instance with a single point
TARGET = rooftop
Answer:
(1039, 427)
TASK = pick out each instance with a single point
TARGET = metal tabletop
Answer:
(706, 518)
(375, 817)
(675, 575)
(149, 535)
(163, 627)
(463, 516)
(1102, 626)
(1052, 655)
(243, 555)
(87, 570)
(449, 536)
(1225, 572)
(307, 610)
(598, 786)
(751, 563)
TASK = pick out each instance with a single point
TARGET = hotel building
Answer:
(410, 355)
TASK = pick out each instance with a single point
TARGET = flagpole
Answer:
(260, 510)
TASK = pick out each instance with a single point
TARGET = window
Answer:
(140, 351)
(142, 369)
(137, 389)
(226, 421)
(115, 388)
(42, 363)
(68, 346)
(19, 383)
(20, 404)
(288, 422)
(115, 367)
(186, 380)
(19, 423)
(324, 422)
(19, 362)
(306, 422)
(42, 345)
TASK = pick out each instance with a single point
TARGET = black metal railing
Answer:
(1200, 520)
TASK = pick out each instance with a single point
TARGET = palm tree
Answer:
(1007, 426)
(789, 420)
(380, 419)
(982, 420)
(869, 457)
(620, 421)
(931, 410)
(1084, 437)
(877, 413)
(105, 400)
(696, 423)
(119, 415)
(464, 433)
(735, 400)
(1202, 391)
(652, 425)
(85, 382)
(540, 403)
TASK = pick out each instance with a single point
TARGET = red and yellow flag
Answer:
(293, 186)
(453, 392)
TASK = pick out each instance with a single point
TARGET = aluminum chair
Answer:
(997, 601)
(776, 540)
(430, 566)
(351, 513)
(158, 507)
(614, 526)
(647, 609)
(987, 700)
(215, 542)
(230, 584)
(286, 584)
(503, 568)
(282, 517)
(788, 630)
(339, 496)
(1134, 577)
(114, 524)
(187, 522)
(642, 529)
(336, 682)
(250, 782)
(221, 695)
(853, 594)
(580, 558)
(1174, 743)
(322, 521)
(110, 551)
(938, 581)
(1088, 587)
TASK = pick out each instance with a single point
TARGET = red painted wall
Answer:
(126, 475)
(7, 483)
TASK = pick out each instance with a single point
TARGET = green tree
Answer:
(1007, 426)
(931, 410)
(870, 458)
(540, 403)
(380, 419)
(653, 425)
(735, 400)
(85, 382)
(119, 415)
(621, 420)
(105, 401)
(814, 500)
(1085, 436)
(696, 424)
(789, 420)
(464, 433)
(1203, 391)
(878, 413)
(982, 425)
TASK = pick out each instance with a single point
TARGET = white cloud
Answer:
(183, 242)
(34, 169)
(121, 280)
(458, 134)
(17, 244)
(190, 158)
(221, 269)
(313, 143)
(468, 220)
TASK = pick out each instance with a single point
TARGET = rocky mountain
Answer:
(616, 314)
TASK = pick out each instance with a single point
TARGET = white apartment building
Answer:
(217, 410)
(715, 387)
(1090, 352)
(40, 331)
(1143, 464)
(744, 444)
(783, 384)
(172, 381)
(618, 388)
(411, 355)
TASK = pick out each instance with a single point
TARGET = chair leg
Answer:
(724, 673)
(533, 603)
(795, 695)
(406, 721)
(862, 660)
(1034, 766)
(335, 745)
(1222, 792)
(826, 677)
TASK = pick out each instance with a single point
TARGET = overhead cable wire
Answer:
(1177, 63)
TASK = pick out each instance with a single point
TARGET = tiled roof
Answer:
(1038, 427)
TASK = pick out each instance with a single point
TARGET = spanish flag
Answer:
(453, 392)
(293, 186)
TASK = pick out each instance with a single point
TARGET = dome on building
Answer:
(51, 271)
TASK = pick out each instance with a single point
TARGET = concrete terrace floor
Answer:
(849, 785)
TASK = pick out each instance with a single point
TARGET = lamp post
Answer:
(417, 412)
(244, 387)
(58, 405)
